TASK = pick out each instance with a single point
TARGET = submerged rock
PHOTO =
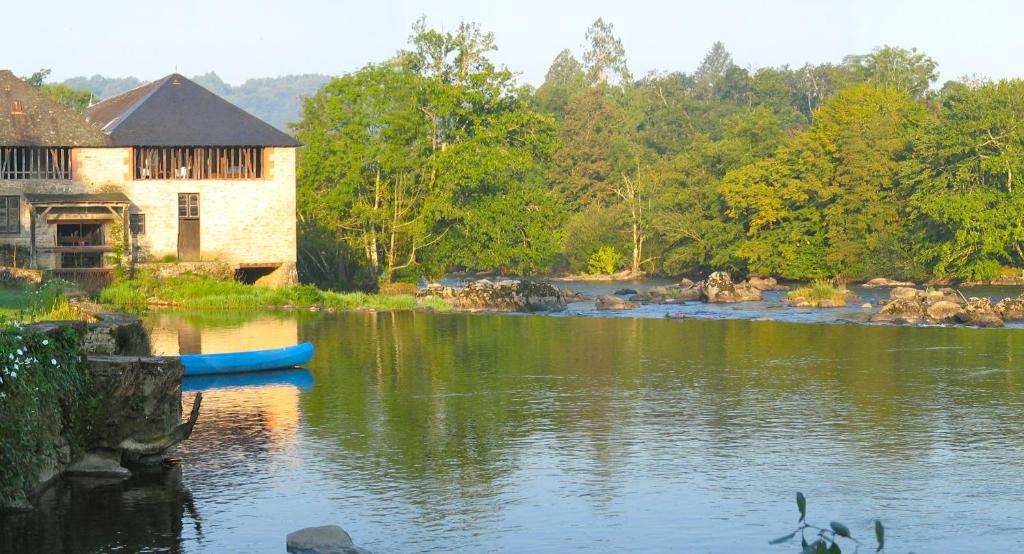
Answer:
(509, 295)
(625, 291)
(719, 288)
(609, 302)
(327, 539)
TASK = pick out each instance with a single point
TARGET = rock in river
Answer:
(902, 310)
(719, 288)
(328, 539)
(883, 282)
(1011, 309)
(509, 295)
(609, 302)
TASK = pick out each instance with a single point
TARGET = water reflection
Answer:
(447, 432)
(171, 334)
(300, 379)
(149, 510)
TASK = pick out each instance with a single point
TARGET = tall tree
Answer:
(714, 67)
(563, 80)
(605, 58)
(909, 71)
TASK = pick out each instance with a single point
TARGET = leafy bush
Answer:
(49, 301)
(604, 262)
(42, 383)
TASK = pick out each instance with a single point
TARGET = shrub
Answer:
(604, 262)
(820, 289)
(42, 383)
(49, 301)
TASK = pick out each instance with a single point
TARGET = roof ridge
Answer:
(154, 86)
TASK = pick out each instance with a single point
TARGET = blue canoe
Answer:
(257, 360)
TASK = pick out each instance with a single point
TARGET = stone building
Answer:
(168, 171)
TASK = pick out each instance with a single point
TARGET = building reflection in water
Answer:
(171, 334)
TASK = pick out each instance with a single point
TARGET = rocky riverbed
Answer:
(719, 296)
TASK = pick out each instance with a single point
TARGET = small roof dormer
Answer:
(175, 111)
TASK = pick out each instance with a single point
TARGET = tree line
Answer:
(436, 159)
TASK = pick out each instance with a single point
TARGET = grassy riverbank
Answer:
(191, 292)
(26, 302)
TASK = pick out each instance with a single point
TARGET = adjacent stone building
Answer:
(168, 171)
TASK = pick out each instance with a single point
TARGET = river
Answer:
(496, 433)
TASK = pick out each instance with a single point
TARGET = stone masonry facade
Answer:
(245, 222)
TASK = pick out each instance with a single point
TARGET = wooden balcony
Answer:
(85, 249)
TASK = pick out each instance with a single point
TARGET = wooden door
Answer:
(188, 227)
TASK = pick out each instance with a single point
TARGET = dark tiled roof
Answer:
(100, 198)
(42, 121)
(174, 111)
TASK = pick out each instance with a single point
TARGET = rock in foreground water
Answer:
(328, 539)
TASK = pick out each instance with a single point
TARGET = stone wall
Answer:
(134, 405)
(241, 221)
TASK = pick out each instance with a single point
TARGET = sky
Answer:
(267, 38)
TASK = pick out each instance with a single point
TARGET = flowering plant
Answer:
(43, 382)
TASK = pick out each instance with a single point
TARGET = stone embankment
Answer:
(135, 400)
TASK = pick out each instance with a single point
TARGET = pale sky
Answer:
(267, 38)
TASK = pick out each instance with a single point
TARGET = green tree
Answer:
(563, 80)
(909, 71)
(821, 204)
(964, 181)
(414, 154)
(593, 134)
(605, 58)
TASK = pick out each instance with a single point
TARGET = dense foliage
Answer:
(43, 384)
(433, 160)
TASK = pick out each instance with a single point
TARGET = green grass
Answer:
(28, 303)
(13, 301)
(819, 290)
(190, 292)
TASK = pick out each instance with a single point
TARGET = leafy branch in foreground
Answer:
(827, 539)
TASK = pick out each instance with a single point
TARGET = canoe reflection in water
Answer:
(91, 515)
(299, 378)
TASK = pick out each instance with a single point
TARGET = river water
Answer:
(496, 433)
